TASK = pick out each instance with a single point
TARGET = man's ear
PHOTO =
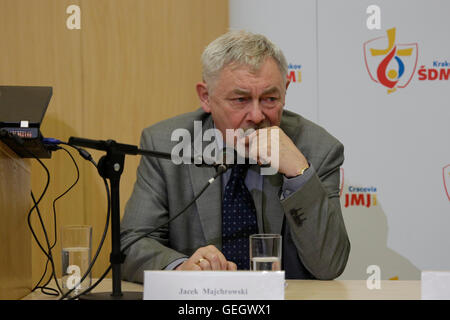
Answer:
(287, 85)
(203, 95)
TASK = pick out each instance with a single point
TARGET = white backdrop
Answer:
(397, 145)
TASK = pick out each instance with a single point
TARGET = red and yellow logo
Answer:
(389, 63)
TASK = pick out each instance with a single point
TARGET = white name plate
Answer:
(213, 285)
(435, 285)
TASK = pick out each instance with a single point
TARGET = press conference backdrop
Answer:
(382, 87)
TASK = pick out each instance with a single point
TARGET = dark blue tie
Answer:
(238, 219)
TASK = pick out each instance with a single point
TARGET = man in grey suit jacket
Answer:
(244, 86)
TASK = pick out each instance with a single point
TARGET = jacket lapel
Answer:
(209, 205)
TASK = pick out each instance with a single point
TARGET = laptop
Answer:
(22, 109)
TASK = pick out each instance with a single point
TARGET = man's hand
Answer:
(207, 258)
(287, 157)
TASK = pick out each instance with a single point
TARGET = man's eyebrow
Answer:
(271, 90)
(241, 92)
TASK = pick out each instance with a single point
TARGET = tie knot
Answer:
(240, 171)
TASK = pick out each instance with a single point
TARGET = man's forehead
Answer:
(243, 79)
(253, 69)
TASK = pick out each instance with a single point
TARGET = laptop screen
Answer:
(23, 103)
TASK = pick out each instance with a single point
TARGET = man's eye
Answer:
(241, 99)
(270, 99)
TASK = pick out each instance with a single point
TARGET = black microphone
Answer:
(227, 159)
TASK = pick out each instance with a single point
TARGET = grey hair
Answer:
(241, 48)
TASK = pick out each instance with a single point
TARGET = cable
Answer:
(105, 231)
(48, 254)
(36, 203)
(221, 170)
(210, 181)
(52, 144)
(65, 192)
(19, 141)
(88, 157)
(83, 153)
(55, 227)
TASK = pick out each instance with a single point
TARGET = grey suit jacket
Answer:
(315, 240)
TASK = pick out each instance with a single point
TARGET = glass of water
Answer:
(76, 257)
(265, 252)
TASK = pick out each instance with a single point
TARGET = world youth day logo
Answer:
(389, 63)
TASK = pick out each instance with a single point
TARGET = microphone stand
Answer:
(110, 166)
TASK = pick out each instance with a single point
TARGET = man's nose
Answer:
(255, 114)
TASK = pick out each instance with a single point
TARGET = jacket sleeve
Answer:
(314, 215)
